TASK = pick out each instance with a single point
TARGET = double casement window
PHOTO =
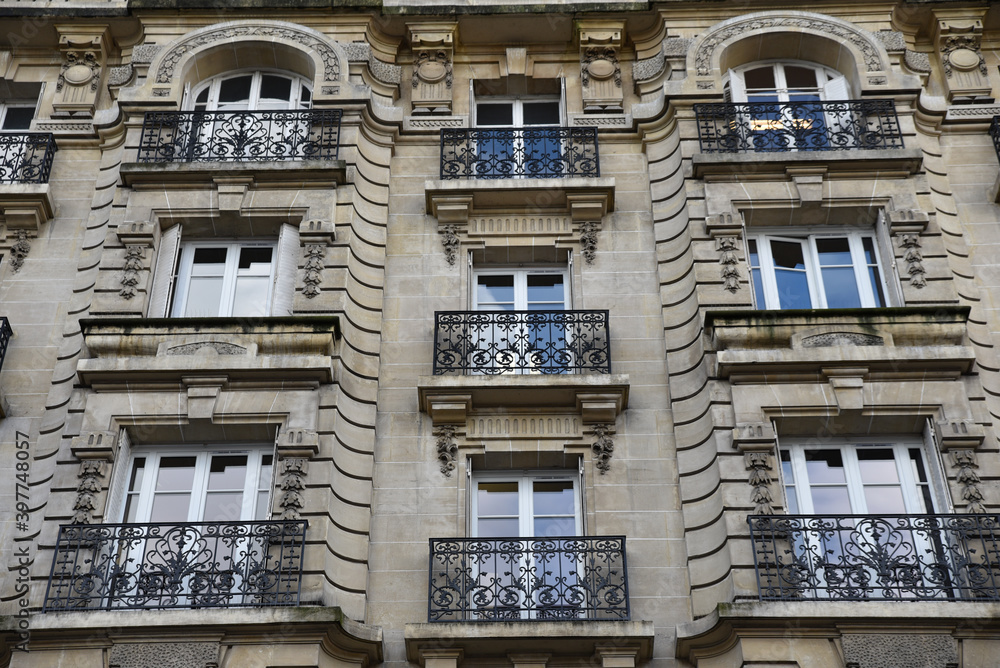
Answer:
(252, 91)
(198, 485)
(786, 82)
(535, 505)
(802, 271)
(512, 140)
(219, 278)
(521, 290)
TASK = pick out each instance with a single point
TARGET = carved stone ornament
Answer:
(293, 483)
(838, 339)
(121, 75)
(728, 248)
(760, 466)
(79, 69)
(19, 251)
(313, 257)
(87, 489)
(889, 650)
(910, 243)
(432, 67)
(649, 68)
(962, 52)
(841, 33)
(207, 347)
(447, 450)
(918, 62)
(133, 265)
(164, 655)
(965, 462)
(451, 242)
(235, 33)
(603, 447)
(600, 63)
(588, 240)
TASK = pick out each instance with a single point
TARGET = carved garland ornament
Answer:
(79, 69)
(914, 259)
(729, 259)
(965, 462)
(703, 58)
(447, 450)
(759, 465)
(19, 251)
(600, 63)
(603, 447)
(432, 67)
(331, 63)
(313, 255)
(293, 474)
(133, 265)
(588, 240)
(962, 53)
(91, 472)
(450, 241)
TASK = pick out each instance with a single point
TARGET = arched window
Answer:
(252, 91)
(789, 81)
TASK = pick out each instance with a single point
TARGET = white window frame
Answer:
(199, 487)
(517, 103)
(15, 104)
(807, 238)
(520, 275)
(525, 481)
(253, 101)
(835, 88)
(230, 274)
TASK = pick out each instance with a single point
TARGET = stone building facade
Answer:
(415, 333)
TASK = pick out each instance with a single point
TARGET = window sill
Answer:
(293, 173)
(584, 197)
(888, 163)
(292, 351)
(893, 342)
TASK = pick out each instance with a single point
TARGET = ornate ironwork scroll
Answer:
(185, 565)
(797, 126)
(5, 333)
(504, 579)
(26, 157)
(890, 557)
(496, 342)
(240, 136)
(509, 153)
(995, 134)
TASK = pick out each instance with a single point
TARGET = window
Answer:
(528, 505)
(856, 478)
(786, 82)
(231, 279)
(252, 91)
(520, 146)
(521, 290)
(792, 271)
(189, 485)
(16, 115)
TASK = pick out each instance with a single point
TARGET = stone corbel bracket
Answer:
(315, 236)
(85, 50)
(906, 226)
(604, 447)
(758, 442)
(433, 47)
(727, 230)
(137, 237)
(96, 452)
(447, 448)
(958, 37)
(959, 439)
(295, 448)
(600, 71)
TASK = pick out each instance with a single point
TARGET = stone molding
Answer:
(164, 655)
(888, 650)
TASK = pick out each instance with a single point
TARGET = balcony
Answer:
(191, 565)
(877, 558)
(522, 579)
(519, 153)
(995, 134)
(500, 342)
(854, 135)
(27, 156)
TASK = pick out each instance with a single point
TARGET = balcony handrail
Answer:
(240, 136)
(176, 565)
(512, 153)
(5, 334)
(581, 578)
(876, 557)
(767, 127)
(26, 157)
(995, 134)
(501, 342)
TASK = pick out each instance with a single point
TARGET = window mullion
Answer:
(199, 487)
(911, 493)
(229, 279)
(803, 491)
(855, 486)
(144, 509)
(525, 505)
(814, 273)
(860, 265)
(250, 484)
(767, 269)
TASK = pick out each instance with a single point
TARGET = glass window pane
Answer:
(541, 113)
(170, 508)
(250, 296)
(495, 113)
(236, 89)
(793, 501)
(204, 297)
(138, 469)
(498, 498)
(176, 473)
(793, 289)
(869, 250)
(498, 527)
(761, 77)
(266, 468)
(824, 466)
(227, 472)
(554, 498)
(257, 258)
(788, 255)
(546, 288)
(495, 289)
(884, 501)
(831, 501)
(274, 87)
(836, 251)
(223, 507)
(210, 255)
(917, 462)
(878, 465)
(18, 118)
(840, 287)
(131, 508)
(876, 281)
(800, 77)
(262, 512)
(758, 288)
(546, 527)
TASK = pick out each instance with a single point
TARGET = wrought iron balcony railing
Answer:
(240, 136)
(869, 558)
(5, 333)
(768, 127)
(519, 153)
(26, 156)
(995, 134)
(511, 579)
(496, 342)
(187, 565)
